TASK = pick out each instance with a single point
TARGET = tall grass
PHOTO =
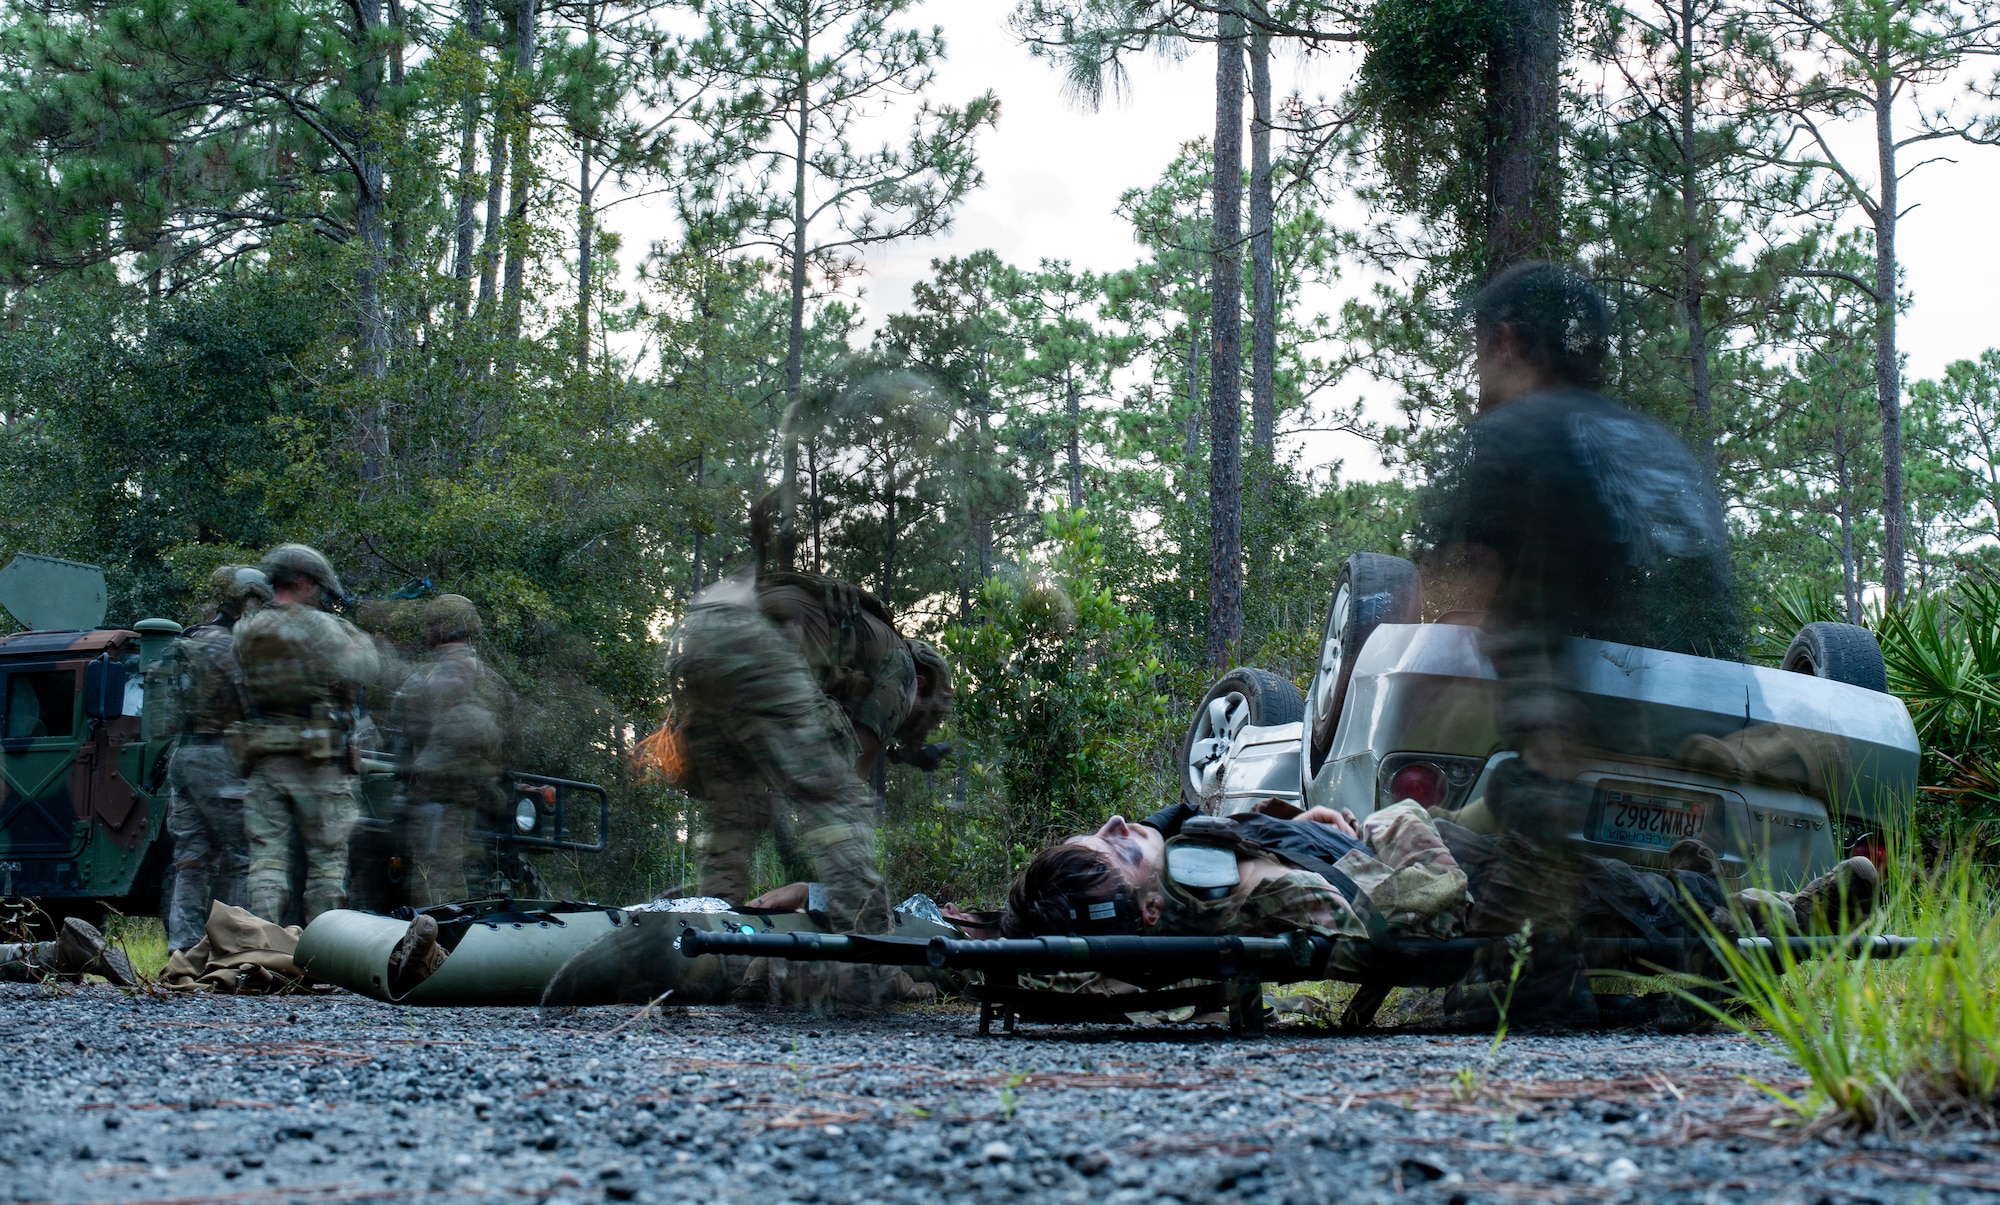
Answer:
(1907, 1043)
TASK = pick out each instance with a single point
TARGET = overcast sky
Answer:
(1054, 172)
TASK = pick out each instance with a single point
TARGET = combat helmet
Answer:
(449, 619)
(247, 587)
(232, 588)
(933, 702)
(288, 563)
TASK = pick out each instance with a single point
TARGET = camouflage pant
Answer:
(437, 840)
(27, 962)
(756, 723)
(211, 853)
(315, 799)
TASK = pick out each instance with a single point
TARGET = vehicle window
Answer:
(135, 688)
(41, 704)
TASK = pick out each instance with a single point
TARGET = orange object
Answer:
(662, 755)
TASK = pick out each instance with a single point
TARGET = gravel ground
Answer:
(327, 1099)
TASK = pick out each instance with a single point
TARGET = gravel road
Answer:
(331, 1099)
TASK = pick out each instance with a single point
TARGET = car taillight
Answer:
(1869, 846)
(1419, 781)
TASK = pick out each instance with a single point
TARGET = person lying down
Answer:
(1401, 873)
(1396, 875)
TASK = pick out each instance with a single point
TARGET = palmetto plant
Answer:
(1942, 651)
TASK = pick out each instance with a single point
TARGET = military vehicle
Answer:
(84, 746)
(83, 766)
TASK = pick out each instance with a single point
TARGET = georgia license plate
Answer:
(1646, 817)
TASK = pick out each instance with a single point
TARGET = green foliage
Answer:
(1056, 714)
(1422, 52)
(1942, 652)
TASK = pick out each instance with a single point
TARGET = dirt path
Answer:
(334, 1099)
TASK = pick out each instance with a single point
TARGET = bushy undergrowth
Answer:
(1907, 1043)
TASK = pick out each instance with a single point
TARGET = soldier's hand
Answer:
(1341, 822)
(927, 759)
(792, 897)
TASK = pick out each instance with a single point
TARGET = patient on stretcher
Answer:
(1396, 873)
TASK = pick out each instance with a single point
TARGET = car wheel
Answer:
(1838, 652)
(1372, 590)
(1242, 698)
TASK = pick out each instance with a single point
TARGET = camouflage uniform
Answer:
(205, 814)
(1409, 876)
(449, 712)
(767, 710)
(301, 669)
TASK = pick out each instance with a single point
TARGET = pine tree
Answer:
(810, 69)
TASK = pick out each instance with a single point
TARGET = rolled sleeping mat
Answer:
(496, 959)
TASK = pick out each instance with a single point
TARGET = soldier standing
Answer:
(205, 815)
(303, 670)
(450, 712)
(791, 685)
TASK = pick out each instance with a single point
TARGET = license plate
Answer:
(1648, 818)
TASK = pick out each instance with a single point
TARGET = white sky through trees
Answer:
(1054, 172)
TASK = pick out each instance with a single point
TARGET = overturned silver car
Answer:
(1782, 772)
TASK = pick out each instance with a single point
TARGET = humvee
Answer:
(83, 767)
(84, 749)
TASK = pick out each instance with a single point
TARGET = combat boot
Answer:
(1693, 854)
(417, 955)
(1839, 901)
(82, 950)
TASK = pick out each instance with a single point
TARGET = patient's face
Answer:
(1136, 852)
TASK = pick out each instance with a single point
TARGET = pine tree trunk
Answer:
(1075, 448)
(889, 534)
(1694, 287)
(586, 228)
(1888, 382)
(812, 492)
(795, 332)
(517, 193)
(1850, 579)
(1523, 132)
(372, 435)
(494, 235)
(468, 169)
(1263, 272)
(1191, 446)
(700, 481)
(1225, 396)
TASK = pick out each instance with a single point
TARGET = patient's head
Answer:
(1102, 882)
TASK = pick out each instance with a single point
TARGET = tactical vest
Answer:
(1201, 872)
(846, 668)
(198, 676)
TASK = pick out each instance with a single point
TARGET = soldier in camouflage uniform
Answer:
(205, 815)
(303, 669)
(451, 713)
(786, 688)
(1318, 872)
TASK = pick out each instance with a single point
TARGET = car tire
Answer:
(1241, 698)
(1372, 590)
(1838, 652)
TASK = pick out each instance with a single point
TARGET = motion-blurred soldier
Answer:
(303, 670)
(205, 816)
(792, 685)
(451, 712)
(1567, 515)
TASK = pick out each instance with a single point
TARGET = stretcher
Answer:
(1231, 971)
